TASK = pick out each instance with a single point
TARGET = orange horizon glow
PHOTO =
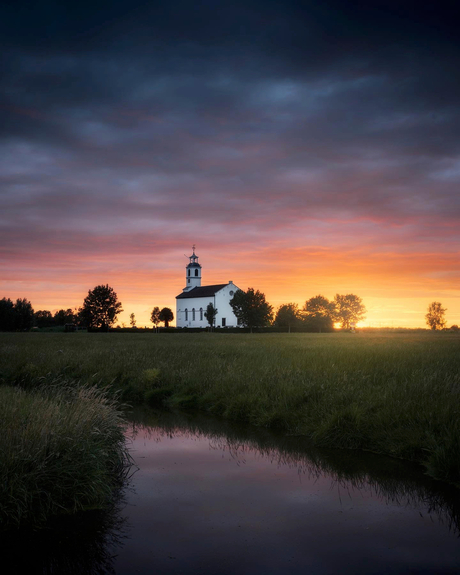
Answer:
(395, 288)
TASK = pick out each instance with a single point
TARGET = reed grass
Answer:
(396, 394)
(62, 450)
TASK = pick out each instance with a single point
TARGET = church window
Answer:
(201, 314)
(188, 272)
(186, 314)
(196, 273)
(193, 314)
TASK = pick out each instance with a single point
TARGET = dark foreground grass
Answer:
(62, 450)
(397, 394)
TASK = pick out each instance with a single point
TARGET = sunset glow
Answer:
(304, 151)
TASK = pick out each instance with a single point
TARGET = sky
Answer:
(305, 148)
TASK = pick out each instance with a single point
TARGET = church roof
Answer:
(204, 291)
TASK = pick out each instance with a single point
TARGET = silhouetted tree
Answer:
(318, 314)
(43, 318)
(7, 315)
(210, 314)
(155, 316)
(287, 315)
(435, 317)
(64, 316)
(251, 308)
(348, 309)
(166, 315)
(24, 315)
(100, 308)
(132, 320)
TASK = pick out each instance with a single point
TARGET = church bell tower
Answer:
(192, 273)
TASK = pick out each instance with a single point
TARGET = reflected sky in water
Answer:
(209, 500)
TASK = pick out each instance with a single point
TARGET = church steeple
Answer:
(192, 272)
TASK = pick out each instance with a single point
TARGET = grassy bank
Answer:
(62, 450)
(396, 394)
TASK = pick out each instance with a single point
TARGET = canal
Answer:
(207, 496)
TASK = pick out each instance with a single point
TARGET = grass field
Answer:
(397, 394)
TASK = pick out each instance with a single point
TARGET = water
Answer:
(210, 497)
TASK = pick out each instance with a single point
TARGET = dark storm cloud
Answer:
(327, 28)
(266, 113)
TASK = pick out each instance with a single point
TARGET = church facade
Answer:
(191, 304)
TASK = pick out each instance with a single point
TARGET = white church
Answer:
(194, 299)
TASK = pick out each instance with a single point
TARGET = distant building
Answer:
(194, 299)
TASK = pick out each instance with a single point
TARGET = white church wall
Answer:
(221, 301)
(184, 311)
(224, 309)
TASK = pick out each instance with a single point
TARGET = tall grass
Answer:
(62, 450)
(396, 394)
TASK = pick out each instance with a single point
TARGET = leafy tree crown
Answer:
(155, 316)
(251, 308)
(166, 315)
(288, 314)
(348, 309)
(435, 317)
(100, 307)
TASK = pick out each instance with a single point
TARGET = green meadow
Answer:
(390, 393)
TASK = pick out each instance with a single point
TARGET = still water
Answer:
(209, 497)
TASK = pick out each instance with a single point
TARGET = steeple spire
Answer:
(192, 272)
(193, 257)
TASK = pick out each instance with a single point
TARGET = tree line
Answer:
(16, 316)
(101, 307)
(99, 312)
(20, 316)
(318, 313)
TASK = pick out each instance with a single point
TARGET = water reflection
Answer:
(393, 481)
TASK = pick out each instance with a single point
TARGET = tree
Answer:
(318, 314)
(210, 314)
(251, 308)
(132, 320)
(435, 317)
(100, 308)
(64, 316)
(287, 315)
(24, 315)
(43, 318)
(155, 316)
(166, 315)
(7, 315)
(348, 309)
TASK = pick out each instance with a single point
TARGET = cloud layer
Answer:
(297, 144)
